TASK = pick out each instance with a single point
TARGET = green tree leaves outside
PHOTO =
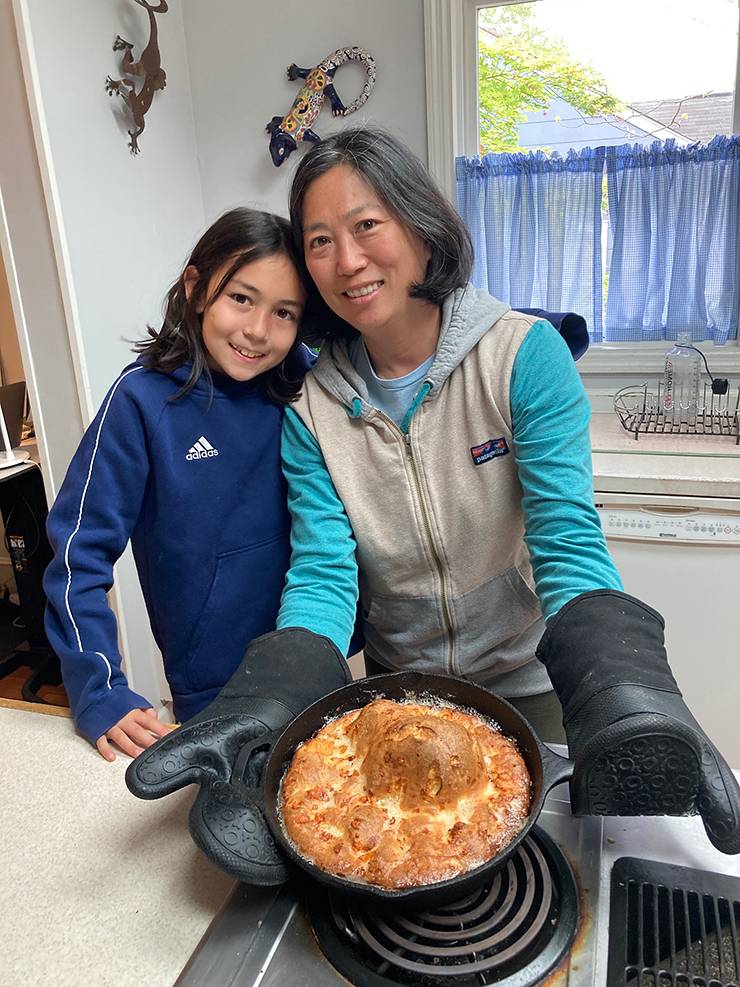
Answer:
(521, 70)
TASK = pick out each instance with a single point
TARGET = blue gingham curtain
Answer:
(535, 221)
(674, 245)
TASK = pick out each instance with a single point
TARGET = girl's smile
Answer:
(245, 354)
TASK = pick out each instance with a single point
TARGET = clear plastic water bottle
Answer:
(681, 382)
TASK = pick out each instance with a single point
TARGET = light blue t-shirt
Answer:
(391, 396)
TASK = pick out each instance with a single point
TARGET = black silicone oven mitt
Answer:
(219, 749)
(638, 751)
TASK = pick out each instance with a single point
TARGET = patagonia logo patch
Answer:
(489, 450)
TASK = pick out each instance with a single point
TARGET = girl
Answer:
(183, 459)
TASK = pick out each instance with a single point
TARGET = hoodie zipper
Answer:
(447, 612)
(428, 527)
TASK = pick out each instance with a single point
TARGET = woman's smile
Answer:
(364, 293)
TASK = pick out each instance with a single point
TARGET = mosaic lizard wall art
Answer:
(285, 132)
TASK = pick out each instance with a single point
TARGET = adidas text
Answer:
(202, 454)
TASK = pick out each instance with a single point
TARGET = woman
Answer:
(449, 436)
(478, 437)
(439, 460)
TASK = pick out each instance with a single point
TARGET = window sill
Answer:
(649, 358)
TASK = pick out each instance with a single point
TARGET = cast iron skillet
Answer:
(545, 769)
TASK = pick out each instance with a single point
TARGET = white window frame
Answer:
(450, 39)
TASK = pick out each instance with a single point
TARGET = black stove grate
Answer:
(672, 926)
(513, 931)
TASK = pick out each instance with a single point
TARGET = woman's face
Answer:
(361, 257)
(253, 323)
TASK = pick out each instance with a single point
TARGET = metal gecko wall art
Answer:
(149, 68)
(285, 132)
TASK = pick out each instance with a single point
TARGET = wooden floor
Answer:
(56, 698)
(10, 695)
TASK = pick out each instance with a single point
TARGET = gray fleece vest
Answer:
(445, 579)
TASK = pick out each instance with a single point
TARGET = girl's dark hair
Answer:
(408, 190)
(237, 238)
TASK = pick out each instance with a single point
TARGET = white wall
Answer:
(238, 52)
(126, 222)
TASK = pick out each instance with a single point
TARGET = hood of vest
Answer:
(467, 315)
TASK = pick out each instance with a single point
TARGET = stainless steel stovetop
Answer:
(263, 938)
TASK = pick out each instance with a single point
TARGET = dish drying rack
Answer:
(641, 412)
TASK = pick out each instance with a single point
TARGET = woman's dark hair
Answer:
(238, 237)
(408, 190)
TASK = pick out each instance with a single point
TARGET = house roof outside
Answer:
(699, 118)
(694, 118)
(560, 127)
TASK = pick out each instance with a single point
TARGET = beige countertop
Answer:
(98, 887)
(707, 466)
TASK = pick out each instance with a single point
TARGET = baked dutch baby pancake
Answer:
(404, 794)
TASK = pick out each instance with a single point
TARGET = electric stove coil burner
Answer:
(514, 930)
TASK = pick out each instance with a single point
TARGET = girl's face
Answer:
(361, 257)
(253, 323)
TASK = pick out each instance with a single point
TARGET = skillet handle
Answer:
(555, 769)
(263, 743)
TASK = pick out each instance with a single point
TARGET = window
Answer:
(558, 75)
(561, 74)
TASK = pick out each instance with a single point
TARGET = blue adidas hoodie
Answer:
(196, 485)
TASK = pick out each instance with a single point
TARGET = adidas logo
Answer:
(201, 450)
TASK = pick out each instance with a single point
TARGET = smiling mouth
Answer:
(364, 291)
(246, 354)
